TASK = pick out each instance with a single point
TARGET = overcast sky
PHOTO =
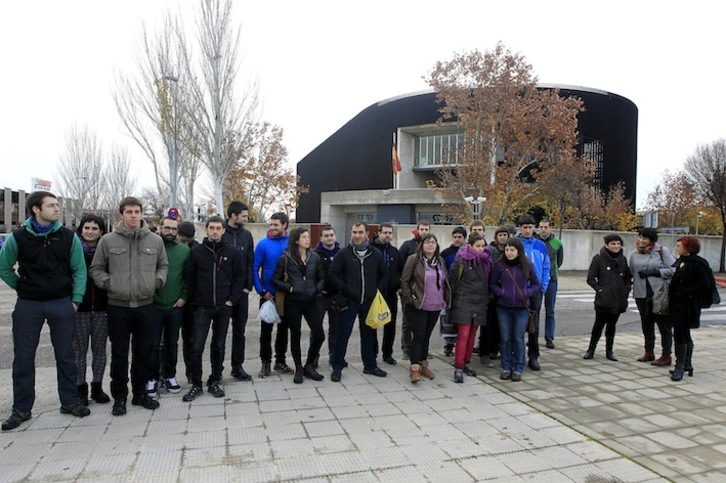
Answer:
(319, 63)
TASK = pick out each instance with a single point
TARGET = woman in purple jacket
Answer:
(513, 282)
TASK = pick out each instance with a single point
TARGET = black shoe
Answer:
(589, 354)
(448, 350)
(76, 409)
(145, 401)
(549, 344)
(390, 360)
(119, 407)
(15, 419)
(193, 393)
(335, 376)
(476, 350)
(283, 368)
(458, 376)
(97, 393)
(215, 390)
(533, 364)
(376, 371)
(611, 356)
(264, 370)
(310, 372)
(469, 371)
(83, 394)
(298, 378)
(240, 374)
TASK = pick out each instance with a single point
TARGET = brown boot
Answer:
(647, 357)
(425, 371)
(663, 360)
(415, 373)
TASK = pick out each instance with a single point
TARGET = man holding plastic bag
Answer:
(358, 272)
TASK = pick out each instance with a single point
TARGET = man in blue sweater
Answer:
(537, 253)
(267, 252)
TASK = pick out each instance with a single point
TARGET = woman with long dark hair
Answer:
(513, 281)
(91, 321)
(690, 286)
(610, 277)
(424, 293)
(300, 276)
(469, 280)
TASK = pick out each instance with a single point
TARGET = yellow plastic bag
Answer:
(379, 313)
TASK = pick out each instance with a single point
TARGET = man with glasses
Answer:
(170, 300)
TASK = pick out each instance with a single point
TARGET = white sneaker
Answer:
(152, 389)
(171, 385)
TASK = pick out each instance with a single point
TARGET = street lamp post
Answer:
(476, 204)
(173, 175)
(698, 219)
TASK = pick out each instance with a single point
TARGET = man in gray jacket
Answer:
(130, 264)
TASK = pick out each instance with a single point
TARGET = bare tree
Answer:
(80, 170)
(218, 118)
(706, 168)
(120, 182)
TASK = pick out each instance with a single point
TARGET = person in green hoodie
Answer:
(50, 283)
(170, 300)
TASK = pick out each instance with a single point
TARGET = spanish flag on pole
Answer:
(394, 157)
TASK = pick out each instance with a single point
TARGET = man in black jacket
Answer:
(407, 249)
(357, 272)
(326, 249)
(392, 283)
(215, 278)
(240, 238)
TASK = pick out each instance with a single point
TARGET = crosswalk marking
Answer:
(586, 296)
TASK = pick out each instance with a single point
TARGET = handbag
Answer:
(280, 296)
(660, 299)
(532, 321)
(379, 314)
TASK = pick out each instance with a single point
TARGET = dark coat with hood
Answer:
(610, 276)
(304, 280)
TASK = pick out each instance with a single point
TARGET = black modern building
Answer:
(358, 155)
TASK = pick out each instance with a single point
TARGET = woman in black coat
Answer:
(690, 285)
(300, 276)
(610, 276)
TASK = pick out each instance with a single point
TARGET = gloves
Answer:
(649, 273)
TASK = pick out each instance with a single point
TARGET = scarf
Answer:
(434, 265)
(471, 256)
(644, 249)
(88, 249)
(38, 228)
(363, 247)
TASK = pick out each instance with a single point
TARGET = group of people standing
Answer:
(651, 269)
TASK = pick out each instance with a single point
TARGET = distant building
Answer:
(350, 174)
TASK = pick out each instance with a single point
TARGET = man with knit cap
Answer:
(358, 271)
(50, 284)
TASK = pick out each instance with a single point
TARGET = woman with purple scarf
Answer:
(91, 323)
(469, 280)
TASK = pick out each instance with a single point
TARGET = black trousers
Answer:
(535, 303)
(130, 327)
(389, 330)
(294, 312)
(608, 321)
(422, 324)
(266, 339)
(648, 321)
(240, 312)
(204, 317)
(325, 305)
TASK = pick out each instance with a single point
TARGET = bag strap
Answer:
(521, 294)
(286, 276)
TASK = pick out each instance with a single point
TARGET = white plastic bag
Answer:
(268, 313)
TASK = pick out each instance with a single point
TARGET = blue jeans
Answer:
(367, 349)
(512, 325)
(550, 297)
(171, 322)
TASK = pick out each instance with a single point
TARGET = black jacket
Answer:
(327, 257)
(95, 299)
(214, 274)
(394, 266)
(408, 248)
(610, 276)
(358, 279)
(241, 239)
(690, 283)
(304, 281)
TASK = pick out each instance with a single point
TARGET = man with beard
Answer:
(326, 249)
(215, 278)
(170, 300)
(390, 289)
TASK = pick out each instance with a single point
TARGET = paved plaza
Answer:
(584, 421)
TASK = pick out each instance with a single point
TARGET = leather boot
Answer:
(310, 372)
(298, 378)
(677, 373)
(83, 394)
(663, 360)
(609, 340)
(415, 373)
(97, 393)
(425, 371)
(647, 357)
(688, 367)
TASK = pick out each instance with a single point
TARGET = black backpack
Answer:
(711, 296)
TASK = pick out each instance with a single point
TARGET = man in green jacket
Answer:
(130, 264)
(170, 300)
(50, 283)
(555, 252)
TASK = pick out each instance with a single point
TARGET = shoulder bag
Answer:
(532, 325)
